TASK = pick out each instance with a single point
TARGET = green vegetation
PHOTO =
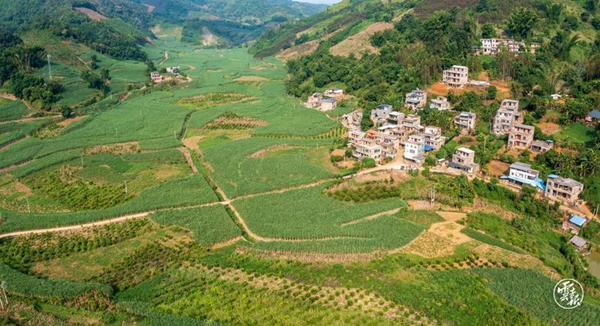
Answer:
(527, 290)
(490, 240)
(21, 253)
(210, 225)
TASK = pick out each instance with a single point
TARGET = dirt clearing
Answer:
(91, 14)
(360, 42)
(251, 79)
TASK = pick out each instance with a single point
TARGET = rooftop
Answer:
(466, 150)
(578, 220)
(579, 242)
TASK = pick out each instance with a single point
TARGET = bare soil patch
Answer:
(549, 128)
(251, 79)
(68, 122)
(300, 50)
(93, 15)
(497, 168)
(122, 148)
(360, 42)
(192, 143)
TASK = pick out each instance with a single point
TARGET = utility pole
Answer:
(126, 187)
(596, 212)
(432, 194)
(28, 207)
(81, 156)
(50, 67)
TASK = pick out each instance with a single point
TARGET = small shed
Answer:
(579, 242)
(575, 223)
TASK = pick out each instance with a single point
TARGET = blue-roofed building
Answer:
(575, 223)
(416, 99)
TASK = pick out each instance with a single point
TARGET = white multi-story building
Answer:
(507, 116)
(457, 76)
(440, 103)
(491, 46)
(414, 148)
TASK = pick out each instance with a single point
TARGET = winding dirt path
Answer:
(76, 227)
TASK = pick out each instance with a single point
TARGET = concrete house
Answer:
(457, 76)
(464, 160)
(414, 148)
(412, 123)
(522, 173)
(433, 138)
(541, 146)
(314, 100)
(520, 136)
(173, 70)
(440, 103)
(328, 104)
(575, 223)
(334, 92)
(389, 144)
(368, 149)
(563, 189)
(466, 121)
(395, 118)
(507, 116)
(416, 99)
(381, 113)
(156, 77)
(352, 120)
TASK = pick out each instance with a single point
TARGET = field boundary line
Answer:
(371, 217)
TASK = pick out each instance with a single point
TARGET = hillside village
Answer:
(399, 140)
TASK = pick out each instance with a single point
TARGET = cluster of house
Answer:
(397, 129)
(491, 46)
(509, 121)
(325, 101)
(156, 77)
